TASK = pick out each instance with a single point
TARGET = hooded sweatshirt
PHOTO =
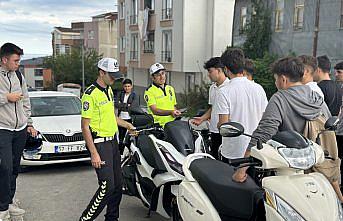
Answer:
(289, 110)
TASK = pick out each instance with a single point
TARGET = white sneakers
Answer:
(4, 216)
(14, 210)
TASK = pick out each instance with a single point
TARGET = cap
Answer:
(155, 68)
(110, 65)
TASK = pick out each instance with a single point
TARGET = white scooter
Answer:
(155, 158)
(281, 190)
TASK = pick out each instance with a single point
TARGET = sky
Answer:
(29, 23)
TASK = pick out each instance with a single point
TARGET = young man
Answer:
(249, 69)
(99, 126)
(288, 109)
(160, 97)
(15, 123)
(310, 67)
(332, 94)
(242, 101)
(215, 70)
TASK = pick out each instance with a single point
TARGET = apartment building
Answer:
(180, 34)
(64, 39)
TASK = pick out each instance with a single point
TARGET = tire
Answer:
(175, 214)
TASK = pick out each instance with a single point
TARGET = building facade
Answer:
(179, 34)
(36, 76)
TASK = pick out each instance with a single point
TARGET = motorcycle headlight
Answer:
(286, 211)
(299, 158)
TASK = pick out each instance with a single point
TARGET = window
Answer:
(134, 47)
(39, 84)
(67, 49)
(122, 44)
(134, 12)
(167, 10)
(166, 46)
(122, 10)
(38, 72)
(90, 34)
(52, 106)
(299, 14)
(149, 43)
(243, 19)
(341, 13)
(190, 82)
(58, 49)
(280, 4)
(149, 4)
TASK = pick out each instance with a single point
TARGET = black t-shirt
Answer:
(333, 95)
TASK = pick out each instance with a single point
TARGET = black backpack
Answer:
(20, 77)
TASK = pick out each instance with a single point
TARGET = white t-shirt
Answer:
(211, 101)
(124, 114)
(314, 86)
(245, 102)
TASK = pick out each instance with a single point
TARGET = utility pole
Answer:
(83, 66)
(316, 30)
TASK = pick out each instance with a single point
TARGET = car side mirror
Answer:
(231, 129)
(331, 123)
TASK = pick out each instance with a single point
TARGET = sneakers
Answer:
(14, 210)
(4, 216)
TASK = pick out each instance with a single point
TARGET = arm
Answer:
(198, 120)
(26, 102)
(222, 106)
(87, 135)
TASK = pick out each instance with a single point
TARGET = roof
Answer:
(33, 61)
(63, 29)
(108, 15)
(50, 94)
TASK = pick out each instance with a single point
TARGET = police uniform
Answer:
(163, 98)
(98, 106)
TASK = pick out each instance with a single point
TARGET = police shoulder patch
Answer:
(146, 98)
(85, 105)
(90, 89)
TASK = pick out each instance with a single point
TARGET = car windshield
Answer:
(55, 106)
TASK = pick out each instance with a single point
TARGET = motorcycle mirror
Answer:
(331, 123)
(231, 129)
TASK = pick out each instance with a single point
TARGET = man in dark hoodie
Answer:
(289, 108)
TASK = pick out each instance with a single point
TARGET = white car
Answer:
(57, 116)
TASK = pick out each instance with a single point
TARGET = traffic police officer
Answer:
(160, 97)
(99, 126)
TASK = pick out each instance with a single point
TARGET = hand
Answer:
(240, 175)
(132, 130)
(32, 131)
(96, 160)
(14, 97)
(176, 113)
(197, 121)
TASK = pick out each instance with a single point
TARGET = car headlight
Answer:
(286, 211)
(340, 210)
(299, 158)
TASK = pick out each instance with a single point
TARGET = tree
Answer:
(67, 68)
(258, 31)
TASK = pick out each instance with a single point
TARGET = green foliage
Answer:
(258, 31)
(263, 74)
(195, 100)
(67, 68)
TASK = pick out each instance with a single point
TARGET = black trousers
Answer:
(339, 139)
(122, 133)
(109, 176)
(216, 141)
(12, 144)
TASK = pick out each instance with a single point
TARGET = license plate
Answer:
(70, 148)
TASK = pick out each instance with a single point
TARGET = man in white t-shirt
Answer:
(311, 66)
(243, 101)
(216, 74)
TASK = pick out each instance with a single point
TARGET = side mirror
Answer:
(136, 111)
(231, 129)
(331, 123)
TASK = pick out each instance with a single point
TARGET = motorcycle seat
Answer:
(232, 200)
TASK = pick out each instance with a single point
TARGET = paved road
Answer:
(61, 192)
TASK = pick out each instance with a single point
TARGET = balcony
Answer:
(166, 56)
(133, 19)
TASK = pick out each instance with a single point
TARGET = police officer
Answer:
(99, 126)
(160, 97)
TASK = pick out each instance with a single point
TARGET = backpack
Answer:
(20, 77)
(330, 168)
